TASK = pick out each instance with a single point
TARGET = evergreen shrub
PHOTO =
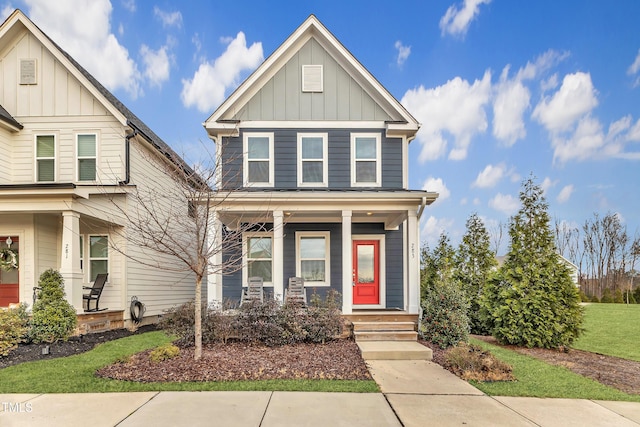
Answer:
(53, 317)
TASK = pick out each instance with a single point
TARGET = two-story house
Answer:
(314, 154)
(71, 155)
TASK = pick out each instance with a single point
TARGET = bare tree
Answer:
(171, 221)
(497, 234)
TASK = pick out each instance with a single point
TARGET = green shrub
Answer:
(180, 322)
(607, 297)
(13, 328)
(444, 314)
(617, 297)
(629, 297)
(636, 294)
(594, 298)
(164, 352)
(584, 297)
(53, 317)
(322, 320)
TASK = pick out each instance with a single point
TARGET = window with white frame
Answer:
(258, 159)
(98, 256)
(259, 256)
(312, 159)
(366, 163)
(86, 150)
(45, 158)
(313, 257)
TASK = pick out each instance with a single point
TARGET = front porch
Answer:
(99, 321)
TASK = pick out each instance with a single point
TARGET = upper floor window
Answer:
(312, 159)
(259, 256)
(258, 159)
(86, 157)
(45, 158)
(365, 160)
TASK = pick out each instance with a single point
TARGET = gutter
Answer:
(127, 157)
(422, 205)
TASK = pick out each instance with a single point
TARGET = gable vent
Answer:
(28, 72)
(312, 78)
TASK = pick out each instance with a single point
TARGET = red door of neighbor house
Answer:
(366, 272)
(9, 279)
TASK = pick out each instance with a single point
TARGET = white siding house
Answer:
(69, 152)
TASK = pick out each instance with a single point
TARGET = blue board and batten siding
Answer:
(232, 283)
(286, 159)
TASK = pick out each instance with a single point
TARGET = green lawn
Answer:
(538, 379)
(75, 374)
(611, 329)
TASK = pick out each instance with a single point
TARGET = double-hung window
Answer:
(259, 256)
(258, 159)
(98, 256)
(312, 160)
(86, 149)
(45, 158)
(366, 163)
(313, 257)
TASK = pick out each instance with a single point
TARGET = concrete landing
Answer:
(394, 350)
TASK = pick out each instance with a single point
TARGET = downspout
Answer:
(127, 157)
(422, 205)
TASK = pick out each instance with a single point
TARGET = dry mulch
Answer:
(615, 372)
(237, 361)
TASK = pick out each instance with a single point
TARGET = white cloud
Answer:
(168, 19)
(6, 11)
(634, 132)
(547, 183)
(434, 227)
(437, 185)
(157, 64)
(505, 203)
(510, 103)
(206, 90)
(489, 176)
(130, 5)
(457, 19)
(457, 108)
(550, 83)
(635, 67)
(403, 53)
(565, 193)
(575, 98)
(476, 201)
(584, 143)
(83, 29)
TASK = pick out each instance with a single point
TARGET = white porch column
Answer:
(214, 277)
(347, 267)
(278, 256)
(413, 264)
(70, 259)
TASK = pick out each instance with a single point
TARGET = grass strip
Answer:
(76, 374)
(611, 329)
(536, 378)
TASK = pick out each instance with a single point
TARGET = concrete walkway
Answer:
(414, 393)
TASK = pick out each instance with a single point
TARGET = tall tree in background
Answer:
(532, 300)
(475, 261)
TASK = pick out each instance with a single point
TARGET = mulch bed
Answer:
(335, 360)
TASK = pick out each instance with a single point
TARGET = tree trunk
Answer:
(198, 319)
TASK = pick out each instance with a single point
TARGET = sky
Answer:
(503, 89)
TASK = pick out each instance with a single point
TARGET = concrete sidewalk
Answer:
(414, 393)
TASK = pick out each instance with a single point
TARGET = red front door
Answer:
(366, 272)
(9, 282)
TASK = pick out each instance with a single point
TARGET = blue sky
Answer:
(503, 89)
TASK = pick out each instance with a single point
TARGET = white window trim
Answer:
(90, 258)
(36, 158)
(78, 157)
(245, 159)
(327, 263)
(245, 255)
(378, 181)
(325, 163)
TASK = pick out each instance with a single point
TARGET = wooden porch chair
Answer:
(95, 292)
(253, 291)
(295, 291)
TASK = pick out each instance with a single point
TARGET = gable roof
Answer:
(8, 120)
(223, 121)
(111, 103)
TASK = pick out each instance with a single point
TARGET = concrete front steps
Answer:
(388, 335)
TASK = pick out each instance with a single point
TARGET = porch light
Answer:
(9, 241)
(369, 213)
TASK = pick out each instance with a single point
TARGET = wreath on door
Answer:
(8, 259)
